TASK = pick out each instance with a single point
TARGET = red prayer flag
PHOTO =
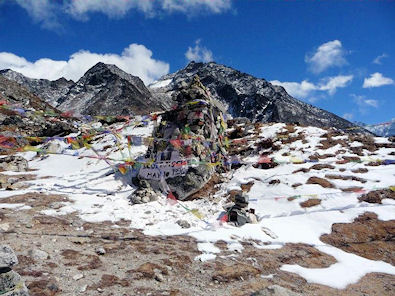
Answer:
(224, 218)
(171, 198)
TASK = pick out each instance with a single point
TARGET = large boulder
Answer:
(11, 283)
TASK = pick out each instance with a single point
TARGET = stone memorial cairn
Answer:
(11, 283)
(188, 144)
(238, 213)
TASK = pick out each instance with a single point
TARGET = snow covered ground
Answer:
(98, 194)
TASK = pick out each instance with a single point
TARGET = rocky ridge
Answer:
(244, 95)
(24, 114)
(103, 90)
(50, 91)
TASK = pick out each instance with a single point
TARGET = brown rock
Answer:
(147, 270)
(360, 171)
(247, 187)
(302, 170)
(322, 166)
(228, 273)
(310, 203)
(366, 236)
(323, 182)
(377, 196)
(275, 181)
(341, 177)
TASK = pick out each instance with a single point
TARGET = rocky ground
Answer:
(67, 256)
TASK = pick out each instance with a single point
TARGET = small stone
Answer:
(159, 277)
(38, 254)
(78, 276)
(153, 197)
(145, 199)
(275, 290)
(183, 224)
(4, 226)
(7, 257)
(83, 288)
(56, 205)
(100, 251)
(100, 290)
(28, 225)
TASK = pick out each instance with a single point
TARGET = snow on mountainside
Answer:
(319, 177)
(386, 129)
(107, 90)
(246, 96)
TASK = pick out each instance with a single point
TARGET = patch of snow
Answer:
(349, 269)
(162, 83)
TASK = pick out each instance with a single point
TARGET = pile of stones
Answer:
(193, 129)
(238, 213)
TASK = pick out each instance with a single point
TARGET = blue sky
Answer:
(337, 55)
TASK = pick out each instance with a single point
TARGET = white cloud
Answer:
(41, 11)
(199, 53)
(296, 89)
(111, 8)
(348, 116)
(373, 103)
(48, 12)
(305, 88)
(329, 54)
(379, 58)
(136, 59)
(190, 6)
(376, 80)
(364, 104)
(331, 84)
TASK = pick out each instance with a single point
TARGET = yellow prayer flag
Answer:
(196, 213)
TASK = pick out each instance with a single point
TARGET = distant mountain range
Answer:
(386, 129)
(107, 90)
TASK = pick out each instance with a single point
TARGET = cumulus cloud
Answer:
(305, 88)
(331, 84)
(378, 59)
(327, 55)
(297, 89)
(48, 12)
(376, 80)
(136, 59)
(199, 53)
